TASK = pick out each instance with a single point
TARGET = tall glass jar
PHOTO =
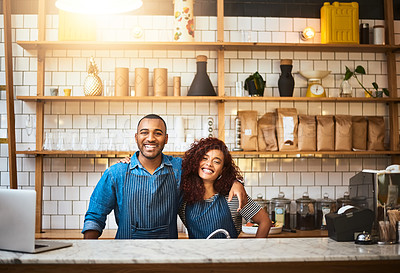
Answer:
(305, 213)
(280, 210)
(324, 206)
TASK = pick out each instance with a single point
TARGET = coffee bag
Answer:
(248, 132)
(307, 133)
(376, 133)
(266, 133)
(325, 133)
(359, 132)
(343, 133)
(286, 128)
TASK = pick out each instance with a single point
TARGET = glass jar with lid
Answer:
(324, 206)
(280, 210)
(344, 201)
(262, 202)
(305, 213)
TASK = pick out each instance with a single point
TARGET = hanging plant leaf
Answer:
(375, 85)
(360, 70)
(348, 74)
(385, 91)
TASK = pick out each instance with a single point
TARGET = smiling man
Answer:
(144, 194)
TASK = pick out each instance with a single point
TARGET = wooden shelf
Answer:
(128, 98)
(309, 99)
(93, 153)
(309, 47)
(234, 153)
(97, 45)
(204, 98)
(126, 45)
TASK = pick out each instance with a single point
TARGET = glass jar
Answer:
(344, 201)
(262, 202)
(324, 206)
(280, 210)
(305, 213)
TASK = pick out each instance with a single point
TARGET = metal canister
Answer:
(280, 210)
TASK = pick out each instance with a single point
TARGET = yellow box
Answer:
(76, 27)
(339, 23)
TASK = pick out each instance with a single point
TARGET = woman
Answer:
(208, 173)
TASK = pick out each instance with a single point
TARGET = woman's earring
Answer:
(219, 177)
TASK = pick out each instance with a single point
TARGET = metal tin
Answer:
(379, 35)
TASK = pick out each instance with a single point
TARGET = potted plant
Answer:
(361, 71)
(255, 84)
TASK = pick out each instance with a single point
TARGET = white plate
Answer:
(253, 230)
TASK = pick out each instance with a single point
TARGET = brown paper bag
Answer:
(359, 133)
(307, 134)
(325, 133)
(248, 132)
(376, 134)
(343, 133)
(266, 133)
(286, 128)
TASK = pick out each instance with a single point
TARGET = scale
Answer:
(314, 77)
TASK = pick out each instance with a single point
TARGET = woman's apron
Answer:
(149, 209)
(202, 218)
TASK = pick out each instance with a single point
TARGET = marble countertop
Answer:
(206, 251)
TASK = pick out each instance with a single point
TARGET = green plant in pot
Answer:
(361, 71)
(255, 84)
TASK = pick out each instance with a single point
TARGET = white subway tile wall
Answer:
(69, 180)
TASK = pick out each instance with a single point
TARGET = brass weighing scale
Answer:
(314, 77)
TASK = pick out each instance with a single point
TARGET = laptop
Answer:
(17, 223)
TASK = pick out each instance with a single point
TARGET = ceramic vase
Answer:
(286, 80)
(201, 85)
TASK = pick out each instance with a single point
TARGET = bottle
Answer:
(364, 33)
(286, 80)
(201, 85)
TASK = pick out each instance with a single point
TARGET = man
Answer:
(144, 194)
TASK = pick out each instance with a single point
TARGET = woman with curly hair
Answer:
(208, 173)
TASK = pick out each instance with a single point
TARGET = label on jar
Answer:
(325, 210)
(280, 215)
